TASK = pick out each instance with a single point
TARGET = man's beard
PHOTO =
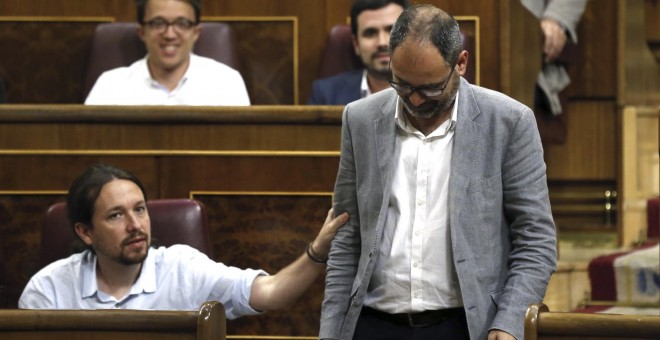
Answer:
(382, 74)
(431, 108)
(379, 73)
(133, 258)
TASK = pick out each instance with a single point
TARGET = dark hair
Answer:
(141, 4)
(427, 23)
(360, 6)
(86, 189)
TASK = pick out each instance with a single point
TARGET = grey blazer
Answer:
(503, 235)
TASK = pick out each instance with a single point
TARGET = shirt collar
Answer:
(146, 75)
(364, 86)
(146, 282)
(88, 274)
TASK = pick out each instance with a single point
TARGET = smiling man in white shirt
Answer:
(170, 74)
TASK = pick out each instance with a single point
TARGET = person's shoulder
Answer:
(176, 251)
(130, 69)
(119, 73)
(64, 267)
(491, 107)
(205, 64)
(376, 106)
(352, 75)
(490, 98)
(176, 257)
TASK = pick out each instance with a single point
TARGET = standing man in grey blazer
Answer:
(450, 233)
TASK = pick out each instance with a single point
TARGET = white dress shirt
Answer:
(175, 278)
(414, 271)
(206, 82)
(364, 86)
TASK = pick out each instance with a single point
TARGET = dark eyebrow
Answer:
(369, 30)
(160, 18)
(119, 207)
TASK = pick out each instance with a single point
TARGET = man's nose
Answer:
(416, 99)
(383, 38)
(169, 31)
(133, 222)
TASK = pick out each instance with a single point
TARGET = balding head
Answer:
(428, 24)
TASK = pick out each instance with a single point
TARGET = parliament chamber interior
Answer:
(265, 173)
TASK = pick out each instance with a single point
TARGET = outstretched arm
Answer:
(282, 289)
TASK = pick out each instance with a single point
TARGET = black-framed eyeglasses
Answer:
(424, 90)
(160, 25)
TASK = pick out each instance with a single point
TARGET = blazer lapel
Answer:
(467, 137)
(384, 135)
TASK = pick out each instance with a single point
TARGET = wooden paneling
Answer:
(640, 169)
(638, 71)
(311, 36)
(76, 127)
(43, 61)
(592, 72)
(652, 28)
(269, 80)
(584, 206)
(21, 216)
(269, 172)
(519, 65)
(590, 151)
(269, 231)
(54, 172)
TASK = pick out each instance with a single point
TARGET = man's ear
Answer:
(140, 32)
(84, 232)
(462, 62)
(196, 31)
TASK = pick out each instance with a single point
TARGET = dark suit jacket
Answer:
(340, 89)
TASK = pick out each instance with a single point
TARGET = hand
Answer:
(321, 244)
(497, 334)
(554, 39)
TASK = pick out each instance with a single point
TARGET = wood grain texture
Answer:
(269, 232)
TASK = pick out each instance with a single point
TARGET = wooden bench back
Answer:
(206, 324)
(540, 323)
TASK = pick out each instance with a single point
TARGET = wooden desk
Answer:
(207, 323)
(540, 323)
